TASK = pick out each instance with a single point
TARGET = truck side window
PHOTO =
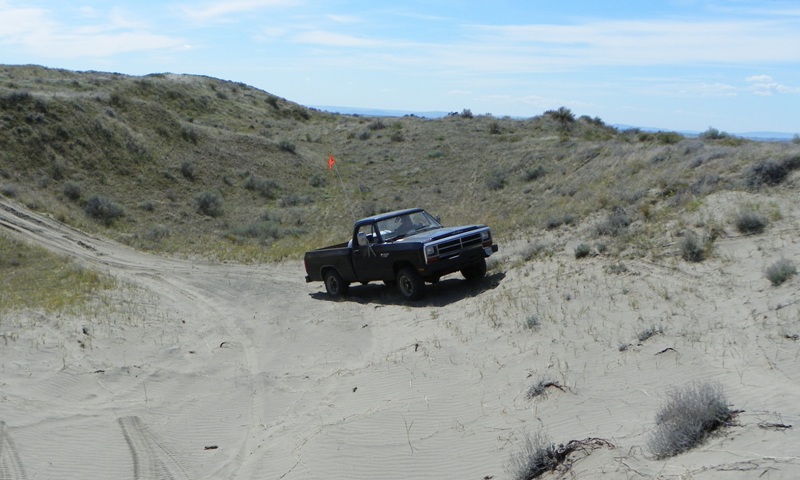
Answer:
(368, 230)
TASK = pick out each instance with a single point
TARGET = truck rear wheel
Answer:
(476, 271)
(335, 284)
(410, 283)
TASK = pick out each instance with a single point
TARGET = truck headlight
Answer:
(486, 236)
(430, 251)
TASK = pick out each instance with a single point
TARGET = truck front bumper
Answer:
(464, 259)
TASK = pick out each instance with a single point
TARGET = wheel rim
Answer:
(333, 285)
(405, 286)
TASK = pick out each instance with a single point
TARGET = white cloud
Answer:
(759, 78)
(343, 18)
(331, 39)
(218, 9)
(654, 42)
(36, 32)
(21, 21)
(766, 86)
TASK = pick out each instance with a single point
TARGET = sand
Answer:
(194, 370)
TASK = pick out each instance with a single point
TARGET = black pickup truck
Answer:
(405, 248)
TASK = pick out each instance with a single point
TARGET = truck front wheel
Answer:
(410, 283)
(476, 271)
(335, 284)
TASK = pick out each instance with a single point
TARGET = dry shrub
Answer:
(688, 417)
(537, 456)
(749, 221)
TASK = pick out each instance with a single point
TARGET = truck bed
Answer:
(336, 256)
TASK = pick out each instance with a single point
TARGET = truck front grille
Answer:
(453, 247)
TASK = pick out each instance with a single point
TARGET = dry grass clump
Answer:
(780, 271)
(649, 332)
(537, 456)
(540, 388)
(766, 172)
(692, 248)
(32, 277)
(689, 415)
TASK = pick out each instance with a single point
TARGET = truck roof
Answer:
(383, 216)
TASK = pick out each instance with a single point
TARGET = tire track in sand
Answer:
(10, 465)
(151, 457)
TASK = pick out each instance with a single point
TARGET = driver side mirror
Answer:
(362, 239)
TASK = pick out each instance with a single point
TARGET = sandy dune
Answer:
(193, 370)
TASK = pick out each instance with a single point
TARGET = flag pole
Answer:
(332, 166)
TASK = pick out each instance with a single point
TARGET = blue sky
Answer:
(682, 65)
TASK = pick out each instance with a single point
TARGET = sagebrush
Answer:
(688, 417)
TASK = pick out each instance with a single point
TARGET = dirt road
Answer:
(193, 370)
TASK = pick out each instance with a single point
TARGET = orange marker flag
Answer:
(331, 162)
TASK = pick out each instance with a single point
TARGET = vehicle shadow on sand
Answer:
(445, 292)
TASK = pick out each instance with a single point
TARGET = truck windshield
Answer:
(401, 226)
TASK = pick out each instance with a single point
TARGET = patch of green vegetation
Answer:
(32, 277)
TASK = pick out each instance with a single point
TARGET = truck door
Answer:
(370, 262)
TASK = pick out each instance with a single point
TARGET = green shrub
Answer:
(397, 136)
(582, 250)
(668, 138)
(72, 190)
(286, 146)
(208, 203)
(295, 199)
(103, 210)
(190, 134)
(264, 229)
(563, 115)
(714, 134)
(767, 172)
(615, 224)
(496, 180)
(8, 190)
(317, 181)
(376, 125)
(157, 233)
(687, 418)
(265, 187)
(748, 222)
(188, 170)
(780, 271)
(533, 173)
(555, 221)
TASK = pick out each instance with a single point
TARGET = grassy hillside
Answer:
(193, 165)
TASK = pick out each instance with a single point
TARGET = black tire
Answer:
(476, 271)
(410, 284)
(335, 284)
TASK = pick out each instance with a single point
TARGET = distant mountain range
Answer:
(376, 112)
